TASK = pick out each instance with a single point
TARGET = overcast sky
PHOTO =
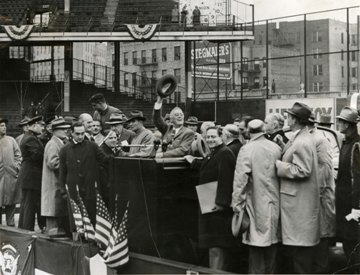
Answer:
(267, 9)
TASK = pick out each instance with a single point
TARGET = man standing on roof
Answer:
(102, 111)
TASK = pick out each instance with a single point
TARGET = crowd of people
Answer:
(285, 184)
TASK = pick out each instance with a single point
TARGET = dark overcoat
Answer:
(32, 151)
(347, 195)
(215, 227)
(235, 146)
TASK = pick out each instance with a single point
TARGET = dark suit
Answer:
(215, 227)
(79, 165)
(235, 146)
(30, 174)
(180, 143)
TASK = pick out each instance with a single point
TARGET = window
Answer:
(342, 38)
(153, 55)
(342, 72)
(134, 55)
(143, 56)
(163, 54)
(354, 39)
(256, 82)
(177, 53)
(245, 65)
(318, 69)
(354, 86)
(264, 81)
(143, 78)
(256, 64)
(260, 39)
(153, 78)
(245, 83)
(316, 36)
(354, 72)
(163, 72)
(317, 86)
(126, 58)
(317, 53)
(342, 54)
(264, 62)
(177, 74)
(134, 80)
(353, 56)
(126, 79)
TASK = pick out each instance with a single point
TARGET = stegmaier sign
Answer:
(205, 54)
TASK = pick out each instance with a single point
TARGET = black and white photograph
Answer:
(179, 137)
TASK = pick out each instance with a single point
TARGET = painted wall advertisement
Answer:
(212, 12)
(206, 58)
(318, 105)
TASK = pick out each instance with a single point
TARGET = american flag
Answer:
(114, 229)
(89, 231)
(103, 222)
(77, 215)
(119, 254)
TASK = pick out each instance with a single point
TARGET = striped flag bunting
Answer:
(119, 254)
(103, 222)
(89, 231)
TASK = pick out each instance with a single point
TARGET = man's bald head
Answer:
(87, 120)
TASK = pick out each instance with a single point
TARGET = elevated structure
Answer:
(124, 20)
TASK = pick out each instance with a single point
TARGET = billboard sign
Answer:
(317, 105)
(206, 53)
(211, 11)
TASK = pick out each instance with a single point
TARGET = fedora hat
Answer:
(35, 119)
(325, 119)
(301, 111)
(136, 115)
(3, 120)
(116, 119)
(192, 120)
(349, 114)
(166, 85)
(312, 118)
(59, 123)
(23, 122)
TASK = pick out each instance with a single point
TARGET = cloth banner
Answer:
(16, 252)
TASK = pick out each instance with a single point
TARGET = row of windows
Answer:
(143, 60)
(353, 39)
(144, 77)
(319, 86)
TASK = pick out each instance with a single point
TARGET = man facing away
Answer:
(256, 186)
(10, 160)
(176, 136)
(32, 151)
(53, 205)
(102, 111)
(299, 192)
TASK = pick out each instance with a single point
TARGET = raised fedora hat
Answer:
(301, 111)
(192, 120)
(136, 115)
(116, 119)
(349, 114)
(325, 119)
(59, 123)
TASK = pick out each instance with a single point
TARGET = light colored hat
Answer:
(348, 114)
